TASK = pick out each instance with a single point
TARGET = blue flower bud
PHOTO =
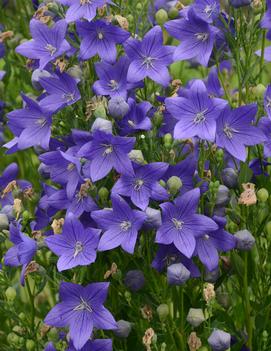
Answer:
(118, 107)
(102, 124)
(244, 240)
(44, 171)
(229, 177)
(154, 219)
(219, 340)
(36, 75)
(123, 330)
(239, 3)
(134, 280)
(177, 274)
(222, 196)
(4, 222)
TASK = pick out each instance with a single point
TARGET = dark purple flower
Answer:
(181, 225)
(149, 58)
(65, 169)
(196, 113)
(47, 43)
(213, 84)
(120, 225)
(61, 91)
(235, 130)
(143, 185)
(81, 308)
(168, 255)
(82, 9)
(31, 125)
(76, 246)
(100, 37)
(219, 340)
(209, 244)
(136, 119)
(134, 280)
(207, 10)
(107, 151)
(196, 35)
(95, 345)
(112, 78)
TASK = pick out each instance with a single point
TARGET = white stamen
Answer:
(202, 36)
(178, 224)
(125, 225)
(51, 49)
(229, 131)
(200, 117)
(83, 306)
(78, 248)
(138, 184)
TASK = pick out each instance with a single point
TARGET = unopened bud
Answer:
(103, 194)
(229, 177)
(118, 107)
(177, 274)
(136, 156)
(4, 222)
(174, 184)
(161, 16)
(195, 317)
(173, 12)
(123, 330)
(262, 195)
(219, 340)
(244, 240)
(10, 294)
(162, 311)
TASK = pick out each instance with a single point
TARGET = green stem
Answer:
(247, 306)
(32, 305)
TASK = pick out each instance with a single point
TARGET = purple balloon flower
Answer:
(100, 37)
(95, 345)
(120, 225)
(196, 113)
(143, 185)
(76, 246)
(149, 57)
(81, 308)
(136, 119)
(47, 43)
(31, 125)
(265, 125)
(61, 91)
(235, 130)
(82, 9)
(64, 169)
(209, 244)
(196, 35)
(181, 224)
(207, 10)
(107, 151)
(112, 78)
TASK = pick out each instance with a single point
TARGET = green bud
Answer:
(100, 112)
(223, 299)
(128, 296)
(168, 140)
(157, 119)
(22, 316)
(103, 194)
(12, 339)
(10, 294)
(139, 6)
(117, 275)
(53, 6)
(173, 12)
(195, 317)
(161, 16)
(162, 311)
(232, 227)
(163, 346)
(262, 195)
(26, 216)
(220, 154)
(174, 184)
(30, 345)
(259, 91)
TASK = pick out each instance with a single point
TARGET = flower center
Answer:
(41, 122)
(108, 150)
(125, 225)
(138, 184)
(78, 248)
(131, 123)
(200, 117)
(51, 49)
(113, 84)
(209, 9)
(70, 167)
(229, 131)
(148, 61)
(85, 2)
(202, 36)
(83, 306)
(206, 237)
(68, 97)
(178, 224)
(100, 35)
